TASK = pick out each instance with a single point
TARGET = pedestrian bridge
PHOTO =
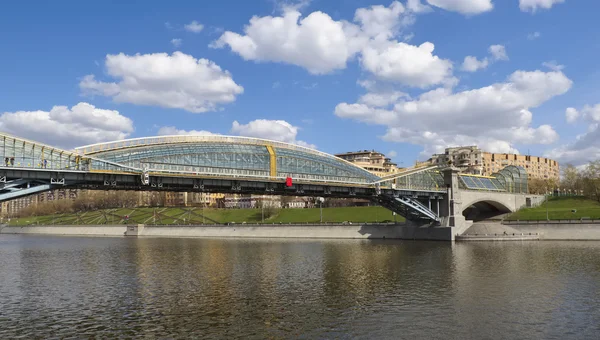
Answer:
(246, 166)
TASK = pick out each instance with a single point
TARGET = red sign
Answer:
(288, 182)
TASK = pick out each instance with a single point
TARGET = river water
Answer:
(72, 287)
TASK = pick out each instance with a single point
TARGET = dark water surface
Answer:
(72, 287)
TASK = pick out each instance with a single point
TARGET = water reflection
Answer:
(216, 288)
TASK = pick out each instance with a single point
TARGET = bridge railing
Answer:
(21, 153)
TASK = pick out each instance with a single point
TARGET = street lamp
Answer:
(321, 200)
(547, 198)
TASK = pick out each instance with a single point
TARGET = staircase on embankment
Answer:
(494, 230)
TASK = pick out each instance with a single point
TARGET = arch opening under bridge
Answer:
(485, 209)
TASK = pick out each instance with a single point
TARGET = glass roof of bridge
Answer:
(481, 183)
(511, 179)
(225, 155)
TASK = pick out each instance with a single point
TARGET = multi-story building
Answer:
(14, 206)
(251, 201)
(184, 199)
(144, 199)
(372, 161)
(471, 159)
(537, 167)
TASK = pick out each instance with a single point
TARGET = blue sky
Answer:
(407, 78)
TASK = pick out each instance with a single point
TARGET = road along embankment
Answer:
(354, 231)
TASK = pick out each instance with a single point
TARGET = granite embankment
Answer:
(547, 230)
(478, 231)
(347, 231)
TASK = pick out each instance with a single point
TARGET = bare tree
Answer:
(571, 178)
(591, 180)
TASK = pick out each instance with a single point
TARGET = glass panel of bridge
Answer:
(499, 185)
(487, 183)
(478, 182)
(470, 183)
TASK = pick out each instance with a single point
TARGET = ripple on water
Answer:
(69, 287)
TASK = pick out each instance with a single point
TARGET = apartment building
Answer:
(472, 160)
(12, 207)
(372, 161)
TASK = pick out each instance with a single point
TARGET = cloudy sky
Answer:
(407, 78)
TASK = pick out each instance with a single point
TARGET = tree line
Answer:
(583, 181)
(91, 200)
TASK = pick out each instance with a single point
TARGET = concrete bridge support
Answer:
(451, 209)
(456, 201)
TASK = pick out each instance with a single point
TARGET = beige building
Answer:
(145, 198)
(184, 199)
(468, 158)
(472, 160)
(12, 207)
(372, 161)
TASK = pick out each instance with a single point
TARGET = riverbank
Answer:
(200, 216)
(559, 208)
(339, 231)
(488, 231)
(548, 230)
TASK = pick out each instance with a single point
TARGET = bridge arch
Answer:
(485, 207)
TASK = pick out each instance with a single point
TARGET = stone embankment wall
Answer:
(552, 230)
(547, 231)
(356, 231)
(556, 231)
(87, 230)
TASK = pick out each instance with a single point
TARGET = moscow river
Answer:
(73, 287)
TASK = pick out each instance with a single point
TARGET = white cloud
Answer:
(471, 64)
(533, 5)
(417, 7)
(407, 64)
(495, 116)
(317, 42)
(553, 65)
(176, 42)
(194, 27)
(380, 22)
(591, 113)
(571, 114)
(534, 35)
(467, 7)
(586, 146)
(172, 81)
(82, 124)
(392, 154)
(171, 131)
(498, 52)
(278, 130)
(322, 45)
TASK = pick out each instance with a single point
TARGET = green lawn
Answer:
(560, 208)
(210, 216)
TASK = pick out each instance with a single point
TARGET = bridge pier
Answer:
(451, 208)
